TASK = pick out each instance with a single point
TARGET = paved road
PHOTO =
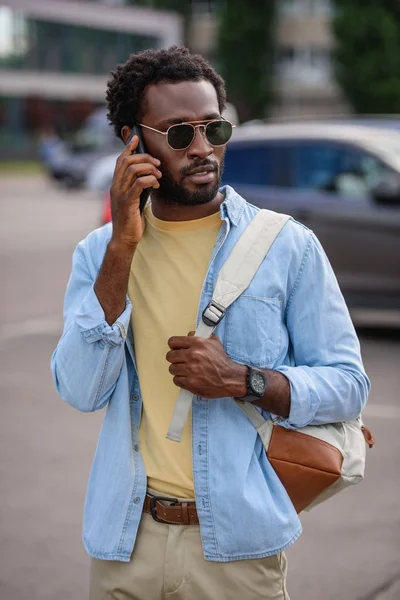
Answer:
(350, 546)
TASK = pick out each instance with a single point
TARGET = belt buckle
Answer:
(153, 508)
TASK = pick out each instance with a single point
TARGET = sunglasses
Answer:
(181, 135)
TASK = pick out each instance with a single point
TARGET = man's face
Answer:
(166, 104)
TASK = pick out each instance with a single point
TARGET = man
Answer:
(206, 518)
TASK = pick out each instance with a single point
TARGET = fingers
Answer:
(133, 187)
(176, 356)
(214, 337)
(129, 156)
(180, 341)
(180, 369)
(143, 183)
(181, 382)
(137, 178)
(132, 163)
(189, 340)
(131, 146)
(137, 171)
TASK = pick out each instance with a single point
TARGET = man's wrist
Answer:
(121, 250)
(238, 388)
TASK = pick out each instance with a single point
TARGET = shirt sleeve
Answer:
(88, 359)
(328, 383)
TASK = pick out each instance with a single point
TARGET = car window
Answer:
(314, 164)
(256, 164)
(335, 168)
(359, 173)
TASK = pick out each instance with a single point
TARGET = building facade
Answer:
(55, 56)
(304, 82)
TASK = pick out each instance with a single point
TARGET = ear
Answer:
(125, 133)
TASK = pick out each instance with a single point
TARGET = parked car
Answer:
(380, 121)
(101, 172)
(342, 181)
(91, 143)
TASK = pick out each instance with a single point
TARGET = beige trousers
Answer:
(168, 564)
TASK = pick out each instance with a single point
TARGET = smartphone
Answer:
(144, 196)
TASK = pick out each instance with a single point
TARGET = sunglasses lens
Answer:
(219, 132)
(180, 136)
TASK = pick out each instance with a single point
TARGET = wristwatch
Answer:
(256, 385)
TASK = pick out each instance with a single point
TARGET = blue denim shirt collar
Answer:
(233, 205)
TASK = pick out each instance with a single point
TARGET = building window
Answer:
(305, 8)
(206, 7)
(307, 64)
(39, 45)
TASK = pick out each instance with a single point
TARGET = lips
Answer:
(200, 170)
(202, 175)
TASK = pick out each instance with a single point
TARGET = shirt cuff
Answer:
(90, 318)
(304, 400)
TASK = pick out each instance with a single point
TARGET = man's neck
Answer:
(178, 212)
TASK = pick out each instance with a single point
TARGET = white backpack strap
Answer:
(263, 426)
(234, 277)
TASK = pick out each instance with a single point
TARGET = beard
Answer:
(175, 193)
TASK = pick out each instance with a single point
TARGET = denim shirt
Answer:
(292, 318)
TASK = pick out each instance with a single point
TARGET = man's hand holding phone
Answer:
(133, 174)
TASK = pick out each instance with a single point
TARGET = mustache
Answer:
(200, 163)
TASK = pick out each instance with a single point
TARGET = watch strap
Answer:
(251, 392)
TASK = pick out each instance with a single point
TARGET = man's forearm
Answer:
(277, 395)
(111, 285)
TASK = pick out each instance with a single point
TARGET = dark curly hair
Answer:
(128, 82)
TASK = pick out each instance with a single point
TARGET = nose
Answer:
(200, 147)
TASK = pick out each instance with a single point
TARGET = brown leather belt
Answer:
(175, 513)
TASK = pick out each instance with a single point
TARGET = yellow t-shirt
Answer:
(167, 274)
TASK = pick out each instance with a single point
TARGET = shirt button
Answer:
(135, 397)
(136, 448)
(137, 500)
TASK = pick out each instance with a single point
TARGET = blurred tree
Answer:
(367, 54)
(244, 55)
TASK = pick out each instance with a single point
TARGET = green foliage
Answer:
(367, 54)
(245, 54)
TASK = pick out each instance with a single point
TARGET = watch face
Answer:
(258, 382)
